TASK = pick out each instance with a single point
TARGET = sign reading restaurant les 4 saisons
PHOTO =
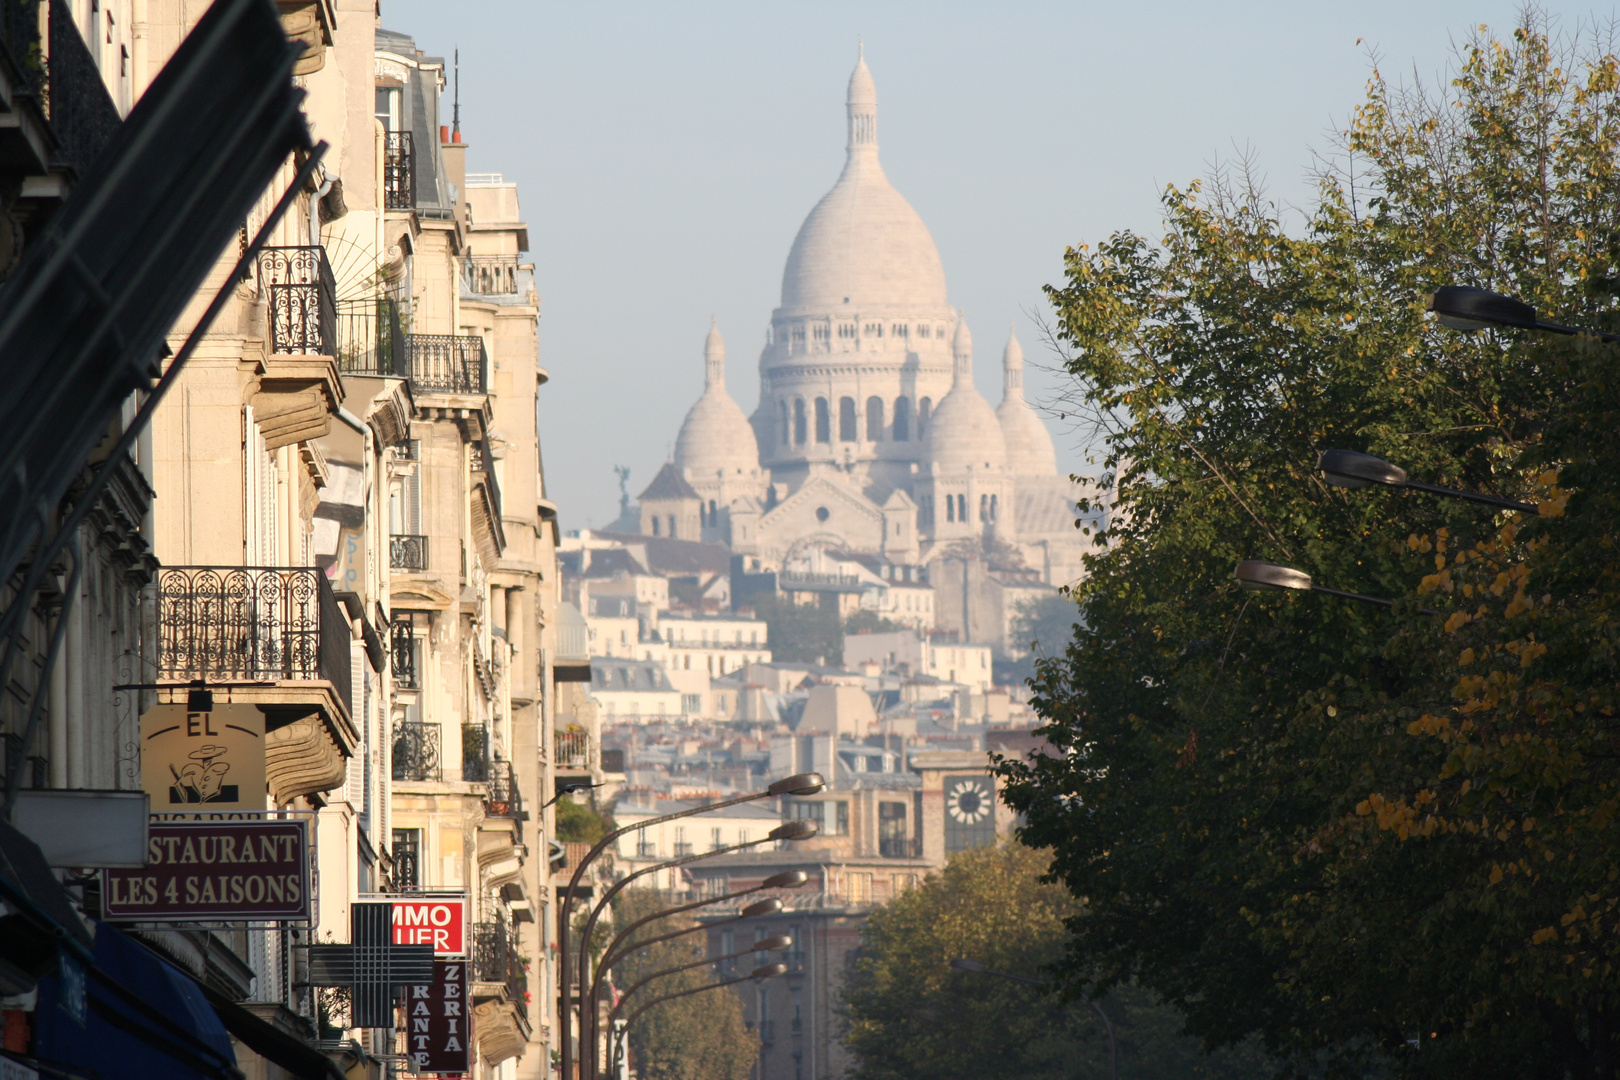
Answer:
(215, 871)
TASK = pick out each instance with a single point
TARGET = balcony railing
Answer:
(505, 797)
(416, 751)
(302, 294)
(408, 552)
(495, 958)
(402, 644)
(899, 847)
(474, 753)
(682, 849)
(399, 171)
(82, 115)
(407, 856)
(491, 275)
(251, 624)
(446, 363)
(371, 337)
(572, 749)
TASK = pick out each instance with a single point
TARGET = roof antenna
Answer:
(455, 108)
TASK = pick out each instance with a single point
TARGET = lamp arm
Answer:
(680, 994)
(610, 957)
(673, 971)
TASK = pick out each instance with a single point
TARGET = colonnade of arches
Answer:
(796, 422)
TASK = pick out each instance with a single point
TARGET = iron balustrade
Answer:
(416, 751)
(491, 275)
(505, 798)
(402, 644)
(646, 849)
(406, 552)
(474, 753)
(446, 363)
(399, 171)
(899, 847)
(407, 856)
(495, 958)
(682, 849)
(302, 295)
(371, 337)
(82, 114)
(572, 749)
(251, 624)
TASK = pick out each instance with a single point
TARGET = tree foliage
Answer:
(802, 633)
(913, 1018)
(579, 822)
(698, 1037)
(1378, 839)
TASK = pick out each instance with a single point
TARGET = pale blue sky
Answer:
(667, 154)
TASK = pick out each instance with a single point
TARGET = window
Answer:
(682, 845)
(902, 419)
(714, 512)
(823, 421)
(859, 888)
(925, 409)
(797, 338)
(672, 526)
(715, 843)
(961, 512)
(786, 430)
(874, 330)
(841, 822)
(656, 525)
(407, 856)
(902, 330)
(798, 421)
(822, 332)
(846, 420)
(874, 419)
(922, 330)
(984, 508)
(646, 847)
(992, 508)
(950, 509)
(846, 330)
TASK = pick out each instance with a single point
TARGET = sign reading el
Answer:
(203, 761)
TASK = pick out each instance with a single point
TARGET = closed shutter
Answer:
(354, 788)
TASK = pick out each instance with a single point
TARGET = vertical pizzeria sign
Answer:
(215, 871)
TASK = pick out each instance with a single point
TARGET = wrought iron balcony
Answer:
(416, 751)
(407, 857)
(571, 749)
(399, 171)
(899, 847)
(491, 275)
(408, 552)
(446, 363)
(251, 624)
(371, 337)
(505, 797)
(495, 958)
(302, 294)
(402, 644)
(474, 753)
(682, 849)
(82, 114)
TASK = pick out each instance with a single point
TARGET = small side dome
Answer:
(716, 438)
(1029, 444)
(964, 433)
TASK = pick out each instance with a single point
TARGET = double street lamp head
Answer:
(1462, 307)
(801, 784)
(1350, 469)
(787, 879)
(760, 908)
(1258, 574)
(768, 971)
(798, 829)
(772, 944)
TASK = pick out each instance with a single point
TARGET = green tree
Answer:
(913, 1018)
(802, 633)
(579, 823)
(1042, 626)
(1381, 841)
(698, 1037)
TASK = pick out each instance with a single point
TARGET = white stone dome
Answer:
(863, 245)
(1029, 444)
(964, 434)
(716, 438)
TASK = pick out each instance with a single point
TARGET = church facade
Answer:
(869, 436)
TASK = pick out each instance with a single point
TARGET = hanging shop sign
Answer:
(215, 871)
(203, 761)
(440, 1032)
(432, 919)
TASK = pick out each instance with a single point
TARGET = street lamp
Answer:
(759, 974)
(801, 829)
(977, 968)
(1462, 307)
(799, 784)
(1260, 575)
(1350, 469)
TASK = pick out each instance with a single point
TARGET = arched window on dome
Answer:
(703, 515)
(984, 508)
(925, 409)
(798, 421)
(823, 421)
(961, 509)
(950, 508)
(714, 514)
(902, 419)
(874, 419)
(846, 420)
(992, 508)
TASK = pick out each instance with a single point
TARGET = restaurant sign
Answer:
(215, 871)
(440, 1018)
(204, 761)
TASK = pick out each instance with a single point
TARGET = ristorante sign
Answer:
(215, 871)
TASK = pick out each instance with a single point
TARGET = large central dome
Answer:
(863, 245)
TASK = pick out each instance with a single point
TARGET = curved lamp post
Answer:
(1462, 307)
(789, 830)
(759, 974)
(1350, 469)
(800, 784)
(1258, 574)
(979, 969)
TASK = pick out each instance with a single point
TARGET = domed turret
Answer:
(1029, 444)
(964, 433)
(863, 244)
(716, 439)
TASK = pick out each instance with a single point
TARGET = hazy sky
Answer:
(667, 153)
